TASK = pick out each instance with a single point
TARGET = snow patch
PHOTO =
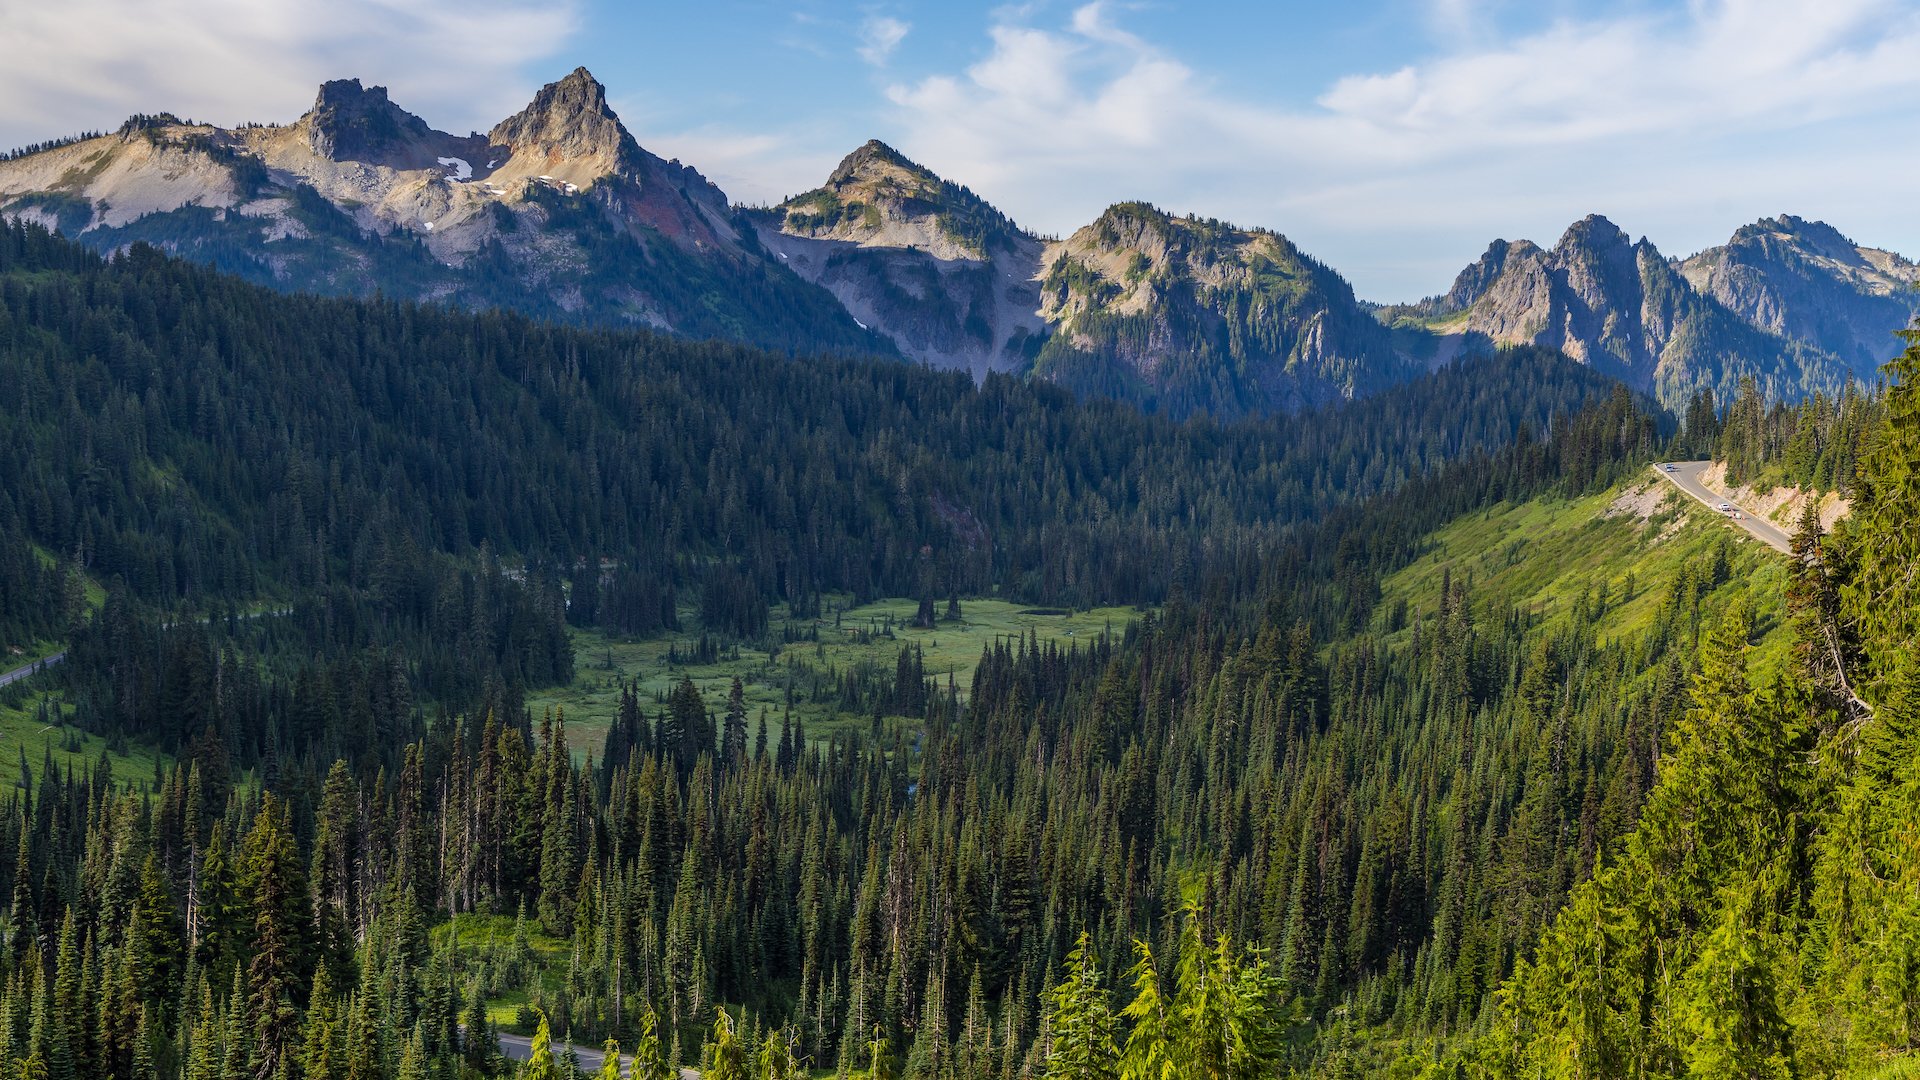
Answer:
(860, 324)
(461, 170)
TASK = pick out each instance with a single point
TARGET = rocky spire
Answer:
(349, 122)
(569, 121)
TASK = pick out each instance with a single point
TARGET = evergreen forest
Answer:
(1338, 801)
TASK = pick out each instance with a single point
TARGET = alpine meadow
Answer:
(499, 607)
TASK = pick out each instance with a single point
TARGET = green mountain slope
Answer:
(1759, 920)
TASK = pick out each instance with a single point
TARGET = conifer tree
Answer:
(650, 1060)
(733, 741)
(321, 1054)
(1082, 1025)
(413, 1062)
(281, 912)
(609, 1061)
(726, 1057)
(540, 1063)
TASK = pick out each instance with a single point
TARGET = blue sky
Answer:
(1391, 139)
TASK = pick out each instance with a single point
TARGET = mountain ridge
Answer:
(558, 211)
(1619, 304)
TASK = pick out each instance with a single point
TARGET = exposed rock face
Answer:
(1804, 280)
(948, 278)
(878, 198)
(1474, 282)
(352, 123)
(1191, 314)
(567, 133)
(1620, 306)
(558, 212)
(1584, 297)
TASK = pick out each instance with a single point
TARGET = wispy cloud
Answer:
(879, 36)
(88, 63)
(1484, 138)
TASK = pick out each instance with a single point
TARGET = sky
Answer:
(1391, 139)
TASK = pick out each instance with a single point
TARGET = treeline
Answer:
(202, 440)
(1814, 443)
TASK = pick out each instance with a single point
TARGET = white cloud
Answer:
(879, 36)
(1669, 113)
(82, 64)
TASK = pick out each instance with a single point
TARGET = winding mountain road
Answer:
(24, 670)
(1685, 475)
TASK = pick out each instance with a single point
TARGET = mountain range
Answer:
(558, 212)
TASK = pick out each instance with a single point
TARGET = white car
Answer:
(1669, 468)
(1726, 508)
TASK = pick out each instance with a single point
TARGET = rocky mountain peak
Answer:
(877, 197)
(1807, 281)
(1473, 282)
(569, 120)
(1816, 238)
(350, 122)
(872, 157)
(1592, 233)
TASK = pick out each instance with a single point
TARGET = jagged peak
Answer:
(1593, 231)
(1473, 282)
(349, 93)
(882, 198)
(570, 115)
(349, 121)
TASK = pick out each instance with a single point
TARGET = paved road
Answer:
(520, 1048)
(22, 672)
(1686, 477)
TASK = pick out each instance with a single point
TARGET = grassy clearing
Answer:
(486, 947)
(23, 733)
(1541, 556)
(872, 634)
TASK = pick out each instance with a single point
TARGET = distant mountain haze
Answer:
(558, 212)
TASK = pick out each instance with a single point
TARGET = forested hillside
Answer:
(1408, 677)
(412, 476)
(1761, 919)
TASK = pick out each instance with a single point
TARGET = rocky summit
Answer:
(559, 212)
(1805, 281)
(1619, 305)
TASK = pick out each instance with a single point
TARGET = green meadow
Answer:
(842, 640)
